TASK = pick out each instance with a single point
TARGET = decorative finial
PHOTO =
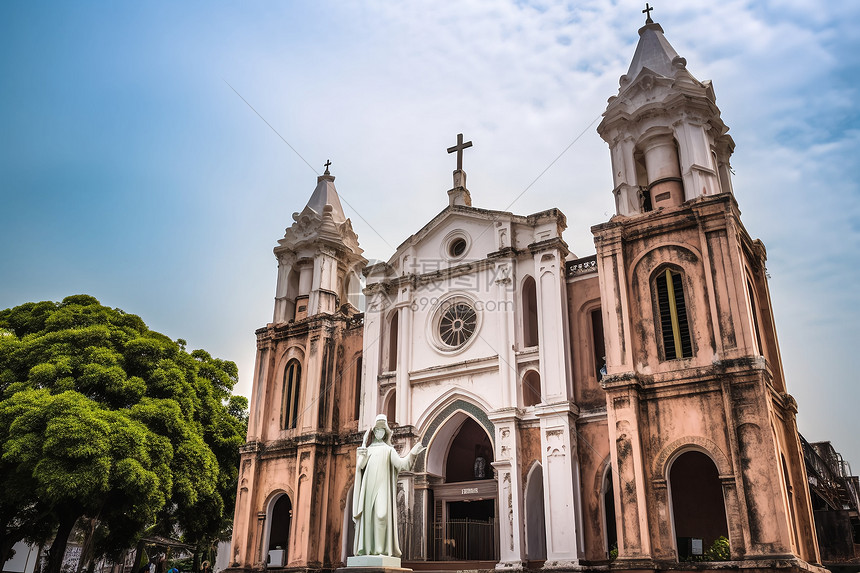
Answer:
(647, 12)
(327, 163)
(459, 149)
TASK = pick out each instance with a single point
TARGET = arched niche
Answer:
(535, 515)
(529, 311)
(607, 508)
(348, 529)
(531, 388)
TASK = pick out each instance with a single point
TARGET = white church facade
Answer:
(625, 410)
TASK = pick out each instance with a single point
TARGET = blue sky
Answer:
(131, 171)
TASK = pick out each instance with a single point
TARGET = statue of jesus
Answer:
(373, 507)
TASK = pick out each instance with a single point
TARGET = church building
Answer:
(625, 410)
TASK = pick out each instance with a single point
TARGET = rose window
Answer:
(457, 324)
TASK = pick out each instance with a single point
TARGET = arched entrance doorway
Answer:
(463, 524)
(280, 519)
(698, 505)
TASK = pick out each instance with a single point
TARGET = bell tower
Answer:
(702, 432)
(296, 461)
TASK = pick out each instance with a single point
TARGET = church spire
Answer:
(664, 131)
(319, 258)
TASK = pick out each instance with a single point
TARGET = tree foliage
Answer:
(102, 418)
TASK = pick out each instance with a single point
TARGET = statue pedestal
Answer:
(374, 562)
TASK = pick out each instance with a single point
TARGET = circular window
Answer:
(457, 247)
(457, 324)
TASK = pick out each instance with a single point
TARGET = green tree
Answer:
(102, 418)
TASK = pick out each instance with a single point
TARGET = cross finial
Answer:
(647, 12)
(327, 164)
(459, 149)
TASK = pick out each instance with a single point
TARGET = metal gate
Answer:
(466, 540)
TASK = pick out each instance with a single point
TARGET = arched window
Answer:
(357, 393)
(392, 342)
(531, 388)
(598, 344)
(674, 324)
(530, 313)
(753, 305)
(292, 382)
(391, 407)
(608, 501)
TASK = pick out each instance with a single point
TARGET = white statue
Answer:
(374, 509)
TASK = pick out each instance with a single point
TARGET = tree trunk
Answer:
(58, 547)
(86, 560)
(37, 568)
(137, 555)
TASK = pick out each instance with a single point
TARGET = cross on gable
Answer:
(459, 149)
(647, 12)
(327, 164)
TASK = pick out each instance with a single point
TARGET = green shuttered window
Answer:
(673, 315)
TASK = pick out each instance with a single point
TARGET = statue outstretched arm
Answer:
(407, 461)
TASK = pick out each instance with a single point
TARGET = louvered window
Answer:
(292, 382)
(673, 315)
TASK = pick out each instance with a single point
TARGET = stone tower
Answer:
(700, 424)
(304, 402)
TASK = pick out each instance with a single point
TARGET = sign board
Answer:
(696, 546)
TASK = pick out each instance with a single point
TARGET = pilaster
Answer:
(553, 332)
(561, 485)
(631, 506)
(511, 516)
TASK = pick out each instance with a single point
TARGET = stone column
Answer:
(511, 515)
(285, 266)
(626, 188)
(664, 172)
(560, 486)
(260, 558)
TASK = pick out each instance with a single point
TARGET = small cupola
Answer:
(319, 259)
(667, 141)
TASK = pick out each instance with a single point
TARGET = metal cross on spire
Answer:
(647, 12)
(327, 164)
(459, 149)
